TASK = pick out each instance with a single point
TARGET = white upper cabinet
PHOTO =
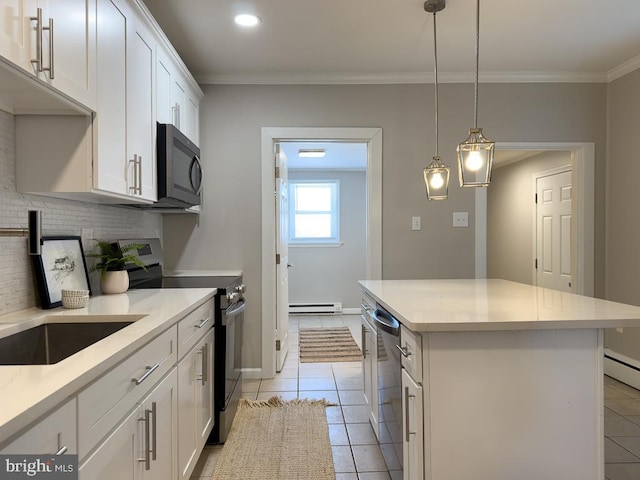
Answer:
(53, 40)
(177, 102)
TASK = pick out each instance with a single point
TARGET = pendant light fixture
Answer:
(475, 154)
(436, 175)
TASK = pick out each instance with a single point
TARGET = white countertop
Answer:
(29, 391)
(477, 305)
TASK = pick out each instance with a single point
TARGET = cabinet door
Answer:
(158, 430)
(110, 166)
(192, 118)
(164, 107)
(70, 49)
(178, 96)
(412, 429)
(195, 404)
(116, 457)
(16, 32)
(204, 416)
(366, 362)
(54, 434)
(140, 112)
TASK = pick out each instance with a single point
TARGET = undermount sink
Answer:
(59, 338)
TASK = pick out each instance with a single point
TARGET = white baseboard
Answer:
(622, 368)
(252, 373)
(351, 311)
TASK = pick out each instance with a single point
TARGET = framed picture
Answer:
(61, 266)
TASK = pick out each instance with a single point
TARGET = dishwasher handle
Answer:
(386, 322)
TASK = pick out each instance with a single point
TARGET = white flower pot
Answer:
(114, 282)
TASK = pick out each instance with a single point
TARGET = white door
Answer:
(553, 232)
(282, 257)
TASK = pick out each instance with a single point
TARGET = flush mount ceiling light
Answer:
(311, 153)
(475, 154)
(247, 20)
(436, 175)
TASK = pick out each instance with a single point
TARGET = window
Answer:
(314, 211)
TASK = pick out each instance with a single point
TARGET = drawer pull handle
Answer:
(149, 371)
(154, 439)
(62, 451)
(404, 351)
(203, 322)
(407, 424)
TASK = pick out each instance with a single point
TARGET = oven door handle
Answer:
(235, 310)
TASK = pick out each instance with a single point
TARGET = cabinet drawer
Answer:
(103, 404)
(49, 435)
(193, 327)
(411, 342)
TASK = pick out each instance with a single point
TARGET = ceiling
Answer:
(338, 156)
(391, 41)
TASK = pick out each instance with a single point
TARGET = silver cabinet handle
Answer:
(364, 342)
(149, 371)
(202, 322)
(404, 351)
(147, 438)
(154, 439)
(406, 417)
(50, 68)
(38, 20)
(137, 174)
(61, 451)
(366, 307)
(205, 363)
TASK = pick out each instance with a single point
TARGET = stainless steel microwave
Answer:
(179, 169)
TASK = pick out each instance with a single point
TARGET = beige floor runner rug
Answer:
(328, 345)
(277, 440)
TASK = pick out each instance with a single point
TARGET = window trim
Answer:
(334, 213)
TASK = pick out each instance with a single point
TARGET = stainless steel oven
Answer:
(229, 308)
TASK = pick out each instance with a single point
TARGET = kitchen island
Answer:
(510, 378)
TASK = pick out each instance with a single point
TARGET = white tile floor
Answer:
(356, 453)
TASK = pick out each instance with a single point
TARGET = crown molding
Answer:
(624, 68)
(399, 78)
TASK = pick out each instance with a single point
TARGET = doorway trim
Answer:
(271, 135)
(582, 178)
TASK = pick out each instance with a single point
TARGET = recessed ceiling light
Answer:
(247, 20)
(311, 152)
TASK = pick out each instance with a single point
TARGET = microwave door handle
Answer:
(195, 162)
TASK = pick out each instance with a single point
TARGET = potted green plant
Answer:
(112, 260)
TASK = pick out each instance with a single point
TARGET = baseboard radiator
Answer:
(622, 368)
(315, 308)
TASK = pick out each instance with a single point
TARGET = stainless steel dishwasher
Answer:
(389, 389)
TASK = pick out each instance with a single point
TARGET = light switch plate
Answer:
(416, 223)
(460, 219)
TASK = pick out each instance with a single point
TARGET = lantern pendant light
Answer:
(475, 154)
(436, 175)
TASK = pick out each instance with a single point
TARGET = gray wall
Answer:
(330, 274)
(623, 198)
(59, 217)
(510, 210)
(228, 233)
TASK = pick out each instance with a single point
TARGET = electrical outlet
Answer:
(416, 223)
(460, 219)
(620, 330)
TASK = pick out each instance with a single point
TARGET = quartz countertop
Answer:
(29, 391)
(491, 305)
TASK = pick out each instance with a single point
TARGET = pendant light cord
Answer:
(475, 109)
(435, 63)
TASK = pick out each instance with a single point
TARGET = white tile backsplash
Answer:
(59, 217)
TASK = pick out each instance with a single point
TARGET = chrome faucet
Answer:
(33, 232)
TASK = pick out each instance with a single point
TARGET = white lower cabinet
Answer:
(412, 429)
(370, 370)
(195, 404)
(54, 434)
(143, 446)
